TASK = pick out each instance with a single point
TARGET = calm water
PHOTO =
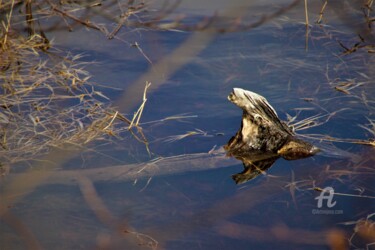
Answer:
(206, 209)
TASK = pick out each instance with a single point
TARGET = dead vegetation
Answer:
(348, 11)
(47, 98)
(49, 101)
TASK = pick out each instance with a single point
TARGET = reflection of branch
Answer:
(357, 46)
(184, 53)
(121, 22)
(76, 19)
(23, 231)
(266, 18)
(95, 203)
(105, 216)
(208, 23)
(123, 18)
(166, 10)
(131, 172)
(348, 11)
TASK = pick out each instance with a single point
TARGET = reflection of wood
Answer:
(253, 167)
(161, 166)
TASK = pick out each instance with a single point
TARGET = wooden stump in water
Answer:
(262, 137)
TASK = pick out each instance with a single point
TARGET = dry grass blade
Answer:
(174, 138)
(318, 120)
(310, 122)
(321, 13)
(327, 138)
(370, 128)
(169, 118)
(7, 26)
(138, 114)
(307, 27)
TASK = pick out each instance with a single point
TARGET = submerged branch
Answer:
(133, 172)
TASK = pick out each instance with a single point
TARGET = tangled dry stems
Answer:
(47, 101)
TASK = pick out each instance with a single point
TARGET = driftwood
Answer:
(262, 131)
(262, 137)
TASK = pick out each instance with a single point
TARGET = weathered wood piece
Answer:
(261, 130)
(262, 137)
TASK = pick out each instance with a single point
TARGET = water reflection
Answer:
(254, 163)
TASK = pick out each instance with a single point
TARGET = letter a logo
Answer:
(326, 194)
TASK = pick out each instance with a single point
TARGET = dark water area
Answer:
(205, 209)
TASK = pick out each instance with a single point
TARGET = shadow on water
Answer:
(180, 194)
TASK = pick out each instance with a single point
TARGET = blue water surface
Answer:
(206, 209)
